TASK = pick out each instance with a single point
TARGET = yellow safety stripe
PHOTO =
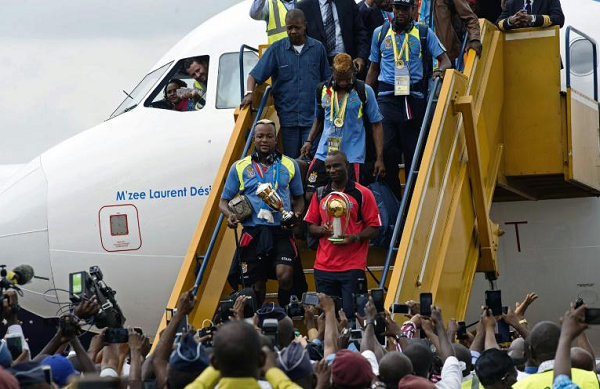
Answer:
(276, 30)
(240, 166)
(360, 109)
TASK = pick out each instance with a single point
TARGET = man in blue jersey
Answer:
(341, 105)
(400, 63)
(267, 250)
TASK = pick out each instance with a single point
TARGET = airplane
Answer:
(126, 195)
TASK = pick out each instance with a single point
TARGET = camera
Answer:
(84, 285)
(207, 331)
(270, 329)
(69, 325)
(294, 309)
(225, 306)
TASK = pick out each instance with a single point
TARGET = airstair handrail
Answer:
(241, 59)
(410, 180)
(217, 228)
(460, 60)
(594, 56)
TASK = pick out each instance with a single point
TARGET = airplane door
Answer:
(119, 228)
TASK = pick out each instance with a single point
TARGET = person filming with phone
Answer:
(344, 216)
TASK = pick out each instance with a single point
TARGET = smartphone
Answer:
(51, 321)
(377, 296)
(14, 343)
(592, 315)
(579, 302)
(461, 333)
(138, 330)
(116, 335)
(355, 335)
(47, 374)
(493, 301)
(425, 302)
(400, 308)
(310, 299)
(360, 300)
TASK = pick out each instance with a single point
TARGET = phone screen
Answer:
(15, 346)
(76, 282)
(360, 300)
(461, 333)
(425, 300)
(493, 300)
(377, 296)
(400, 308)
(116, 335)
(592, 315)
(310, 299)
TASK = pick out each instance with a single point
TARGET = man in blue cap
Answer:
(62, 369)
(401, 65)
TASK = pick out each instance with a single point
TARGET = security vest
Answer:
(585, 379)
(468, 384)
(201, 88)
(276, 29)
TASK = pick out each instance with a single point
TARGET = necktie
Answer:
(528, 7)
(330, 28)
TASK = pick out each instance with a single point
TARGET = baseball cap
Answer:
(349, 368)
(61, 367)
(294, 361)
(406, 3)
(189, 355)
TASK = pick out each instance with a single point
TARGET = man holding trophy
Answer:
(344, 216)
(264, 192)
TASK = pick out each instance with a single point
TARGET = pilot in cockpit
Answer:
(197, 68)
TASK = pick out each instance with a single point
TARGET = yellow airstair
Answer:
(501, 125)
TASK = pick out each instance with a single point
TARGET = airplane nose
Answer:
(24, 232)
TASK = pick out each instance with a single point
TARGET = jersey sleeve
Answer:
(373, 112)
(370, 212)
(434, 46)
(296, 184)
(375, 55)
(232, 184)
(266, 65)
(313, 216)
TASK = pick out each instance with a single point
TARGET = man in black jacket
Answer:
(338, 25)
(374, 13)
(531, 13)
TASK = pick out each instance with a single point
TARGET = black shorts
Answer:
(262, 267)
(317, 176)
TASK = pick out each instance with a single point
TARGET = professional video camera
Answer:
(20, 275)
(84, 285)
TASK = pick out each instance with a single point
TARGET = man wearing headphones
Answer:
(401, 56)
(341, 104)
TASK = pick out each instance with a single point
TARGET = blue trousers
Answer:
(342, 284)
(293, 138)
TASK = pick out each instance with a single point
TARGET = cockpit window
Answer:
(184, 88)
(228, 81)
(133, 99)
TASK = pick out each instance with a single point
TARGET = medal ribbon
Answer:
(335, 106)
(403, 50)
(259, 172)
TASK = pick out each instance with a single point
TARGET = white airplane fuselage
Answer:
(151, 170)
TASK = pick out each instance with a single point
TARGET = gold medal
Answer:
(338, 122)
(400, 64)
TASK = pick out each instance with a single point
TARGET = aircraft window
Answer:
(581, 57)
(133, 99)
(180, 91)
(228, 81)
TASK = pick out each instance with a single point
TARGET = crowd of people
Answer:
(265, 349)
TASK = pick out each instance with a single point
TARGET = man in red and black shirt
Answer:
(339, 268)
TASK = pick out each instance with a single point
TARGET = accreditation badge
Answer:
(401, 79)
(333, 144)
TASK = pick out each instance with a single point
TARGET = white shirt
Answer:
(451, 374)
(339, 41)
(298, 48)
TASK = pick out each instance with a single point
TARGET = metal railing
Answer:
(241, 59)
(411, 178)
(206, 257)
(594, 56)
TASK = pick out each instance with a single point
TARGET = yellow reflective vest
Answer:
(585, 379)
(276, 29)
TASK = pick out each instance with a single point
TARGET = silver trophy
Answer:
(270, 197)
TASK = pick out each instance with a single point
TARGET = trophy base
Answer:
(335, 240)
(288, 219)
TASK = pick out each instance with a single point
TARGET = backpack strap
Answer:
(319, 92)
(425, 56)
(360, 90)
(382, 35)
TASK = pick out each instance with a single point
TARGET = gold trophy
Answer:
(337, 205)
(274, 201)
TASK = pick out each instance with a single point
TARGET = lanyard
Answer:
(261, 177)
(340, 112)
(398, 58)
